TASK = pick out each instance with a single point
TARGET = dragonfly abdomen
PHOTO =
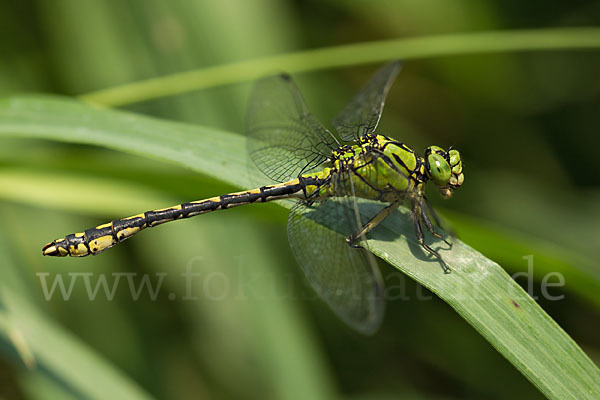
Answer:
(102, 237)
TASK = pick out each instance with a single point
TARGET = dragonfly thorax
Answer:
(376, 167)
(380, 168)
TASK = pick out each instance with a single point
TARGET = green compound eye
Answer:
(439, 169)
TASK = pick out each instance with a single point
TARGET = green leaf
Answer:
(499, 309)
(478, 288)
(215, 153)
(352, 54)
(510, 246)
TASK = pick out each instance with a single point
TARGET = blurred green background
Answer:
(526, 125)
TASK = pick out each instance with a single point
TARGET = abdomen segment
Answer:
(102, 237)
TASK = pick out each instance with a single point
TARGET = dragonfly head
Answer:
(444, 168)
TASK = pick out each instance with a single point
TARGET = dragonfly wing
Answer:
(284, 138)
(347, 278)
(362, 114)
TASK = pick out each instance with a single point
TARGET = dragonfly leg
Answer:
(425, 218)
(437, 221)
(416, 216)
(373, 222)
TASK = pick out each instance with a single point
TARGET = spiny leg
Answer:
(416, 212)
(425, 218)
(437, 220)
(373, 222)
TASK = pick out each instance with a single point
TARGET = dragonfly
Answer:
(324, 176)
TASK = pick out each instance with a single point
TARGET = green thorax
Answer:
(376, 168)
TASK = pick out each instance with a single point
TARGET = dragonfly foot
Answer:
(445, 267)
(434, 253)
(351, 240)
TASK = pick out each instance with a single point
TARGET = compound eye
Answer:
(439, 169)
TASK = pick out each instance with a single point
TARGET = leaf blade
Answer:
(352, 54)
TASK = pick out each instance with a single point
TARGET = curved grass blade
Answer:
(216, 153)
(497, 307)
(352, 54)
(478, 289)
(509, 246)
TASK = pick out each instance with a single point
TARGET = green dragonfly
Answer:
(325, 175)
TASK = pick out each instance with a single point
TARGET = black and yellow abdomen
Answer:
(102, 237)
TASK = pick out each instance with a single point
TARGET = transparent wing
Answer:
(284, 139)
(362, 114)
(347, 278)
